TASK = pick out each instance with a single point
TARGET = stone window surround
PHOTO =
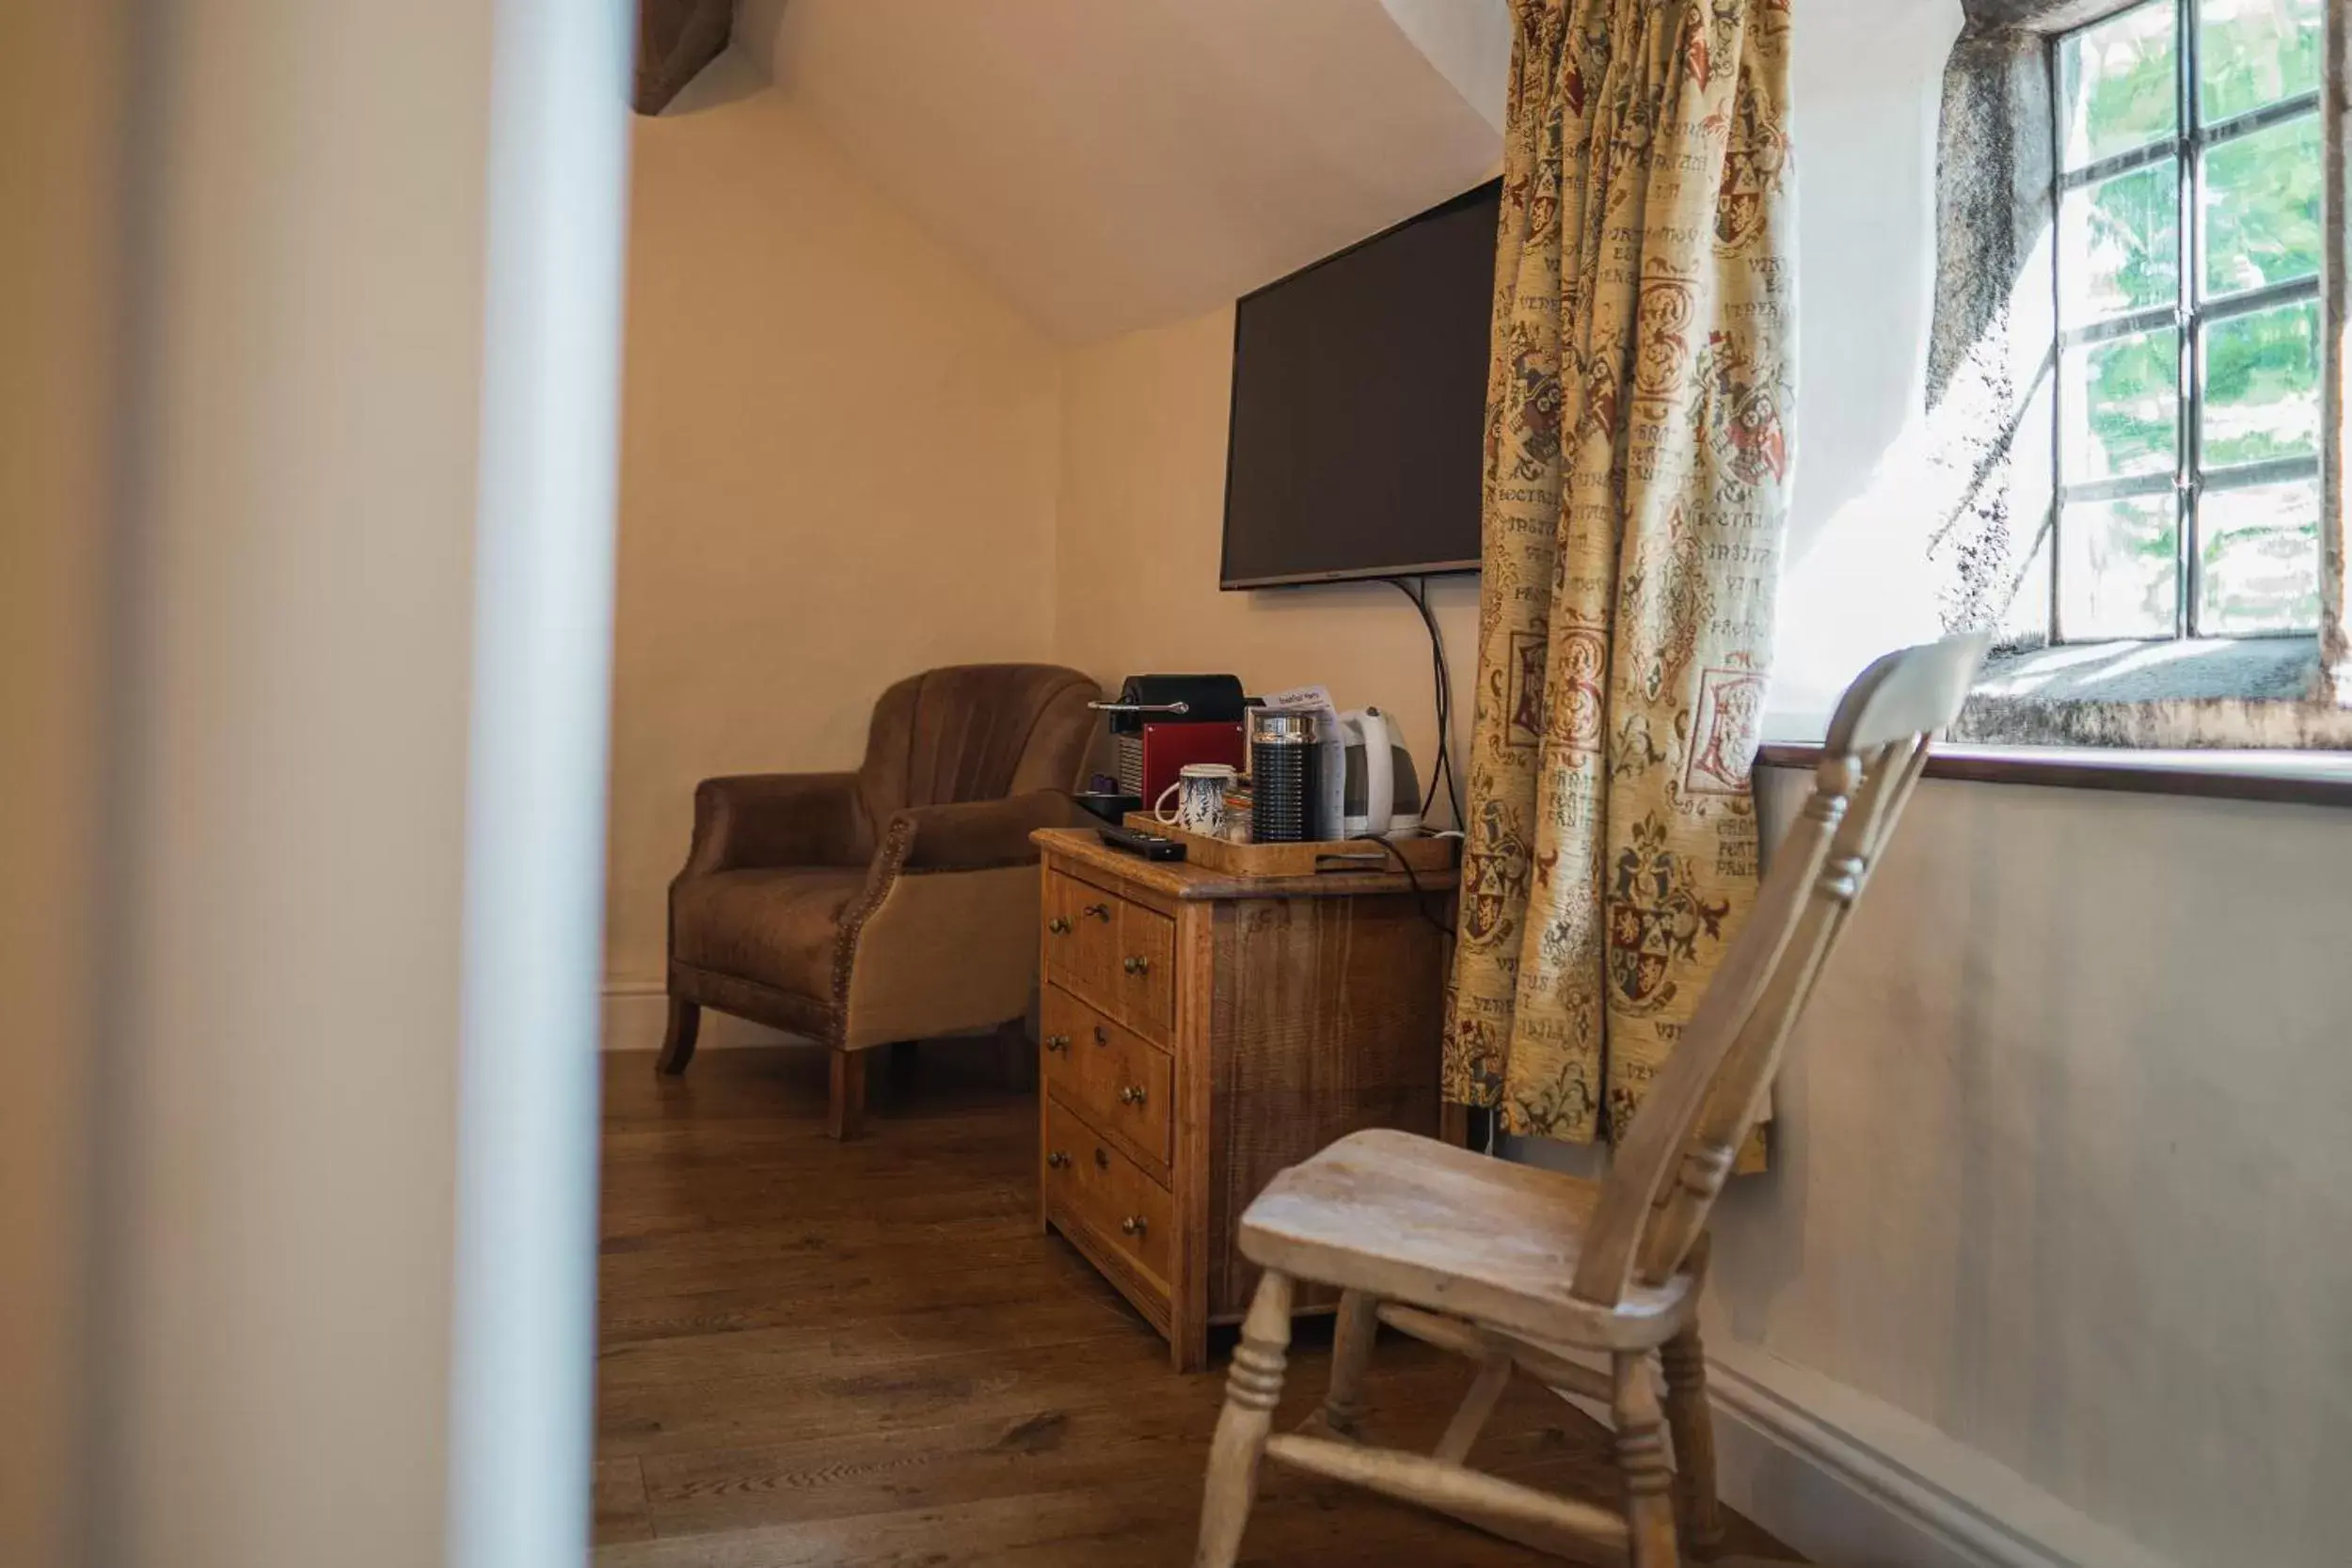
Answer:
(1990, 369)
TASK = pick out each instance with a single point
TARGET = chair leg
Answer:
(1649, 1510)
(1352, 1340)
(1252, 1387)
(1694, 1426)
(844, 1110)
(678, 1040)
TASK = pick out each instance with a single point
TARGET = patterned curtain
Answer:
(1638, 443)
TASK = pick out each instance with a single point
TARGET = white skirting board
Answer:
(636, 1013)
(1848, 1478)
(1853, 1482)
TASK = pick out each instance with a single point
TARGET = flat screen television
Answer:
(1359, 396)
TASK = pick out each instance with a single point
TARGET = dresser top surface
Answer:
(1180, 879)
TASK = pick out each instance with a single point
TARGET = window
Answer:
(2188, 354)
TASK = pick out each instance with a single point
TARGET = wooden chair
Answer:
(1519, 1268)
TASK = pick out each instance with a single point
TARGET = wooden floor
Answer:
(814, 1353)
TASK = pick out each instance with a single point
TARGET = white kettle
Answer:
(1380, 796)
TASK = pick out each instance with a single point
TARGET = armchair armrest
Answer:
(763, 819)
(972, 835)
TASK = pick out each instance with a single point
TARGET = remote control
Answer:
(1151, 846)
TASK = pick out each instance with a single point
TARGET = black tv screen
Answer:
(1359, 394)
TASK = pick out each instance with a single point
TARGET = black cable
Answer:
(1442, 701)
(1442, 770)
(1445, 736)
(1412, 878)
(1445, 684)
(1438, 763)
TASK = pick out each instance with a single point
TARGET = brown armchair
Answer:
(889, 904)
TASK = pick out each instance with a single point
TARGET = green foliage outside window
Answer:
(2257, 196)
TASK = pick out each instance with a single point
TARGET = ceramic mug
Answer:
(1200, 794)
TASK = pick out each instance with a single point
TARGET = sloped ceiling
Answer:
(1117, 164)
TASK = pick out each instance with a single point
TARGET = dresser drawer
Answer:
(1144, 980)
(1091, 1185)
(1112, 953)
(1116, 1080)
(1081, 943)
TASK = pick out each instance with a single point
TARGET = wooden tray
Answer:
(1423, 856)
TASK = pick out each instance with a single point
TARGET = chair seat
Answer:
(1411, 1219)
(776, 927)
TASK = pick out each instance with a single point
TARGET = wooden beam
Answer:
(676, 38)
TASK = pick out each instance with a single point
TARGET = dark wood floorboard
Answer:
(816, 1354)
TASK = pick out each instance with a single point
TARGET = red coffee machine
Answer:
(1161, 723)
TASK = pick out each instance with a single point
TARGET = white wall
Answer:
(2065, 1160)
(840, 465)
(1866, 85)
(1112, 167)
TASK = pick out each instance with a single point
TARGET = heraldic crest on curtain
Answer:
(1639, 429)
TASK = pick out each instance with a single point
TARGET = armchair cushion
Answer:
(775, 928)
(757, 820)
(974, 835)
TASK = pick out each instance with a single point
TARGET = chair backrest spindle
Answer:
(1674, 1162)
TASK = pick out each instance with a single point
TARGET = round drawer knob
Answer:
(1059, 925)
(1133, 1225)
(1131, 1096)
(1135, 965)
(1058, 1042)
(1099, 911)
(1057, 1159)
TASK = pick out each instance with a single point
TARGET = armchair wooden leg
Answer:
(1351, 1353)
(1252, 1387)
(678, 1040)
(1649, 1510)
(845, 1109)
(1693, 1427)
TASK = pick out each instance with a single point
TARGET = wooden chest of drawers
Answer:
(1201, 1032)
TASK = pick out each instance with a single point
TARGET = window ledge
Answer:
(2253, 696)
(2299, 778)
(2254, 669)
(2253, 693)
(2220, 719)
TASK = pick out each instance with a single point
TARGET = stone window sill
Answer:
(2251, 693)
(2299, 778)
(2220, 719)
(2261, 668)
